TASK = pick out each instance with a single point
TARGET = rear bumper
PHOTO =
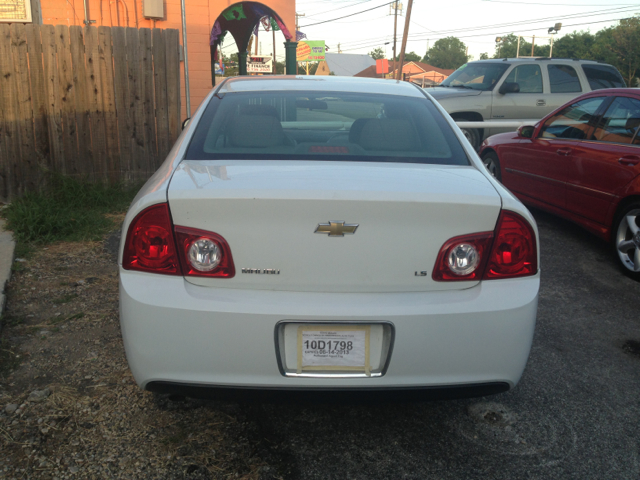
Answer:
(180, 335)
(327, 394)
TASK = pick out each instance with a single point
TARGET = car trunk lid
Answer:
(269, 211)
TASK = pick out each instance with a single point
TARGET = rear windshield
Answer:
(324, 126)
(603, 76)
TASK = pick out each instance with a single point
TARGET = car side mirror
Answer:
(526, 131)
(185, 123)
(509, 87)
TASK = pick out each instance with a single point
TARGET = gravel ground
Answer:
(71, 409)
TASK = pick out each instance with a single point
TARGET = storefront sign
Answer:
(259, 64)
(310, 51)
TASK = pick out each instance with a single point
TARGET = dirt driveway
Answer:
(71, 408)
(575, 414)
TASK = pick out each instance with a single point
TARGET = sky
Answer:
(476, 22)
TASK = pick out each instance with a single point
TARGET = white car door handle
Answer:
(541, 103)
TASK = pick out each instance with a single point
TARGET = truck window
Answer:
(603, 76)
(529, 77)
(563, 79)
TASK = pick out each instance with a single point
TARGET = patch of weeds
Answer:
(67, 210)
(24, 250)
(19, 267)
(55, 329)
(9, 359)
(65, 284)
(60, 269)
(65, 298)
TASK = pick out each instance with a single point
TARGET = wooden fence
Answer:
(100, 103)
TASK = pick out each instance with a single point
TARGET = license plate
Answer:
(333, 347)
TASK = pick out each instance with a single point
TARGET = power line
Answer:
(341, 8)
(423, 35)
(539, 20)
(563, 4)
(498, 33)
(351, 15)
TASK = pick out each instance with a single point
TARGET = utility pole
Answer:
(339, 51)
(533, 43)
(395, 29)
(298, 15)
(405, 34)
(274, 51)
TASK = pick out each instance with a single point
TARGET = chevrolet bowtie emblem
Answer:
(336, 229)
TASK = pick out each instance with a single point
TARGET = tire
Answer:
(473, 136)
(490, 160)
(625, 239)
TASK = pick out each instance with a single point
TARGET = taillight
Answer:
(463, 258)
(508, 252)
(204, 254)
(150, 247)
(149, 244)
(514, 252)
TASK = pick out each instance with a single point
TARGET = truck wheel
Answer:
(471, 134)
(490, 160)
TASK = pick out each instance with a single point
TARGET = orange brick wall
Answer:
(200, 17)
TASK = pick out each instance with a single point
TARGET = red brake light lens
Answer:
(204, 254)
(514, 252)
(475, 247)
(510, 251)
(149, 245)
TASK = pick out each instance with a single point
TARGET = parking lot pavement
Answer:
(575, 413)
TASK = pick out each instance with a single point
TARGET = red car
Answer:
(581, 162)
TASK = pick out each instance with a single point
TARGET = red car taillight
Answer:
(514, 252)
(150, 246)
(508, 252)
(463, 258)
(204, 254)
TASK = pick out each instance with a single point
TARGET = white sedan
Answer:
(326, 233)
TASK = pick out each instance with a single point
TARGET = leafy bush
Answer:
(68, 210)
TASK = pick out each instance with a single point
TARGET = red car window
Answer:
(620, 122)
(573, 121)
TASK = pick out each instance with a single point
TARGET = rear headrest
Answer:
(632, 123)
(267, 110)
(255, 131)
(356, 129)
(389, 134)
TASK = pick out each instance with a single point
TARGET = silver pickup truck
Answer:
(526, 89)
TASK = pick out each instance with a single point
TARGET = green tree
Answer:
(625, 45)
(508, 48)
(575, 45)
(449, 52)
(377, 54)
(484, 56)
(409, 57)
